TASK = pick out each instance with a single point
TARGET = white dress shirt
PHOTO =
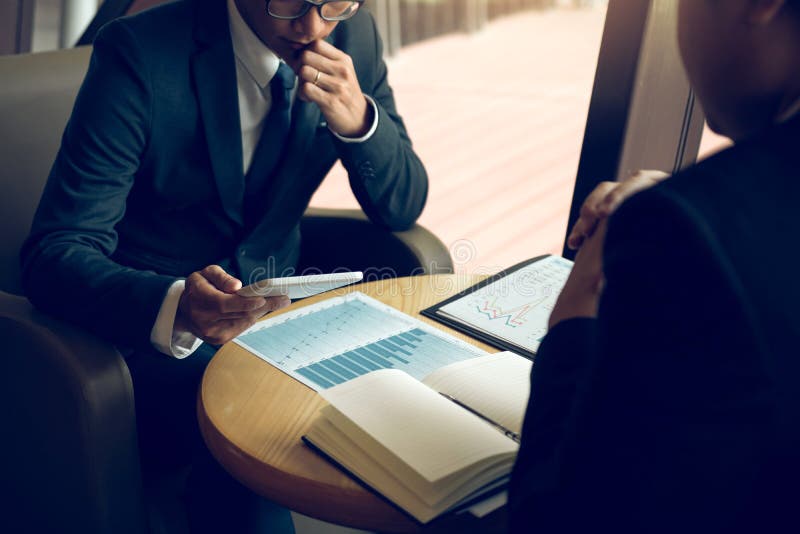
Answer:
(256, 65)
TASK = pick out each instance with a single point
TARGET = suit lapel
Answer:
(214, 72)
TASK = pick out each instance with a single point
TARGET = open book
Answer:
(428, 446)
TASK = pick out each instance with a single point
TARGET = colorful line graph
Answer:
(516, 307)
(513, 317)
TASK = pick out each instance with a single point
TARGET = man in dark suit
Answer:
(200, 133)
(666, 396)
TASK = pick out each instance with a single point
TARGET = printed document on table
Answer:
(338, 339)
(515, 308)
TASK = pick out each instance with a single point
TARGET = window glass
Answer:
(498, 118)
(46, 25)
(60, 23)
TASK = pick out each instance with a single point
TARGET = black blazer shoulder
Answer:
(743, 202)
(168, 31)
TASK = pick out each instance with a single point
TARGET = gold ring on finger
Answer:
(316, 78)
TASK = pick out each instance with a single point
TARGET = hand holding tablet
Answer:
(297, 287)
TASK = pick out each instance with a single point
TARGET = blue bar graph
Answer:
(334, 341)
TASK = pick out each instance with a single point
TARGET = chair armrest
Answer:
(346, 239)
(69, 440)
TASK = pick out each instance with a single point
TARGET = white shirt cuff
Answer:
(163, 336)
(371, 131)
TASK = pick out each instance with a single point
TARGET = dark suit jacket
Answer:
(148, 184)
(678, 408)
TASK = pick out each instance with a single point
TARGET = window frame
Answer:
(16, 26)
(642, 113)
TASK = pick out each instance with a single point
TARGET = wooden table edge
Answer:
(294, 490)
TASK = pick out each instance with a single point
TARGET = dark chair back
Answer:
(69, 450)
(36, 98)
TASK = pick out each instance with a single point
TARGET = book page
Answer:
(496, 386)
(514, 308)
(433, 436)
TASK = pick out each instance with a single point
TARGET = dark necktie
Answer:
(271, 144)
(281, 88)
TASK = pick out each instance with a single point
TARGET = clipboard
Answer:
(434, 312)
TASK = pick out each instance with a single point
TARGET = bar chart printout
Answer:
(336, 340)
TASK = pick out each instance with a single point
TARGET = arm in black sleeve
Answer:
(670, 383)
(387, 178)
(66, 265)
(562, 360)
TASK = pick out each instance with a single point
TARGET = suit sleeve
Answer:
(66, 262)
(628, 416)
(386, 176)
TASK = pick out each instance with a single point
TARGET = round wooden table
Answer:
(252, 417)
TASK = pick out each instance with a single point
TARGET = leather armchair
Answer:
(69, 449)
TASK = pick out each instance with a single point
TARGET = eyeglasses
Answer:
(330, 10)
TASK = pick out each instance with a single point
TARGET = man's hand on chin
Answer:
(210, 309)
(328, 79)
